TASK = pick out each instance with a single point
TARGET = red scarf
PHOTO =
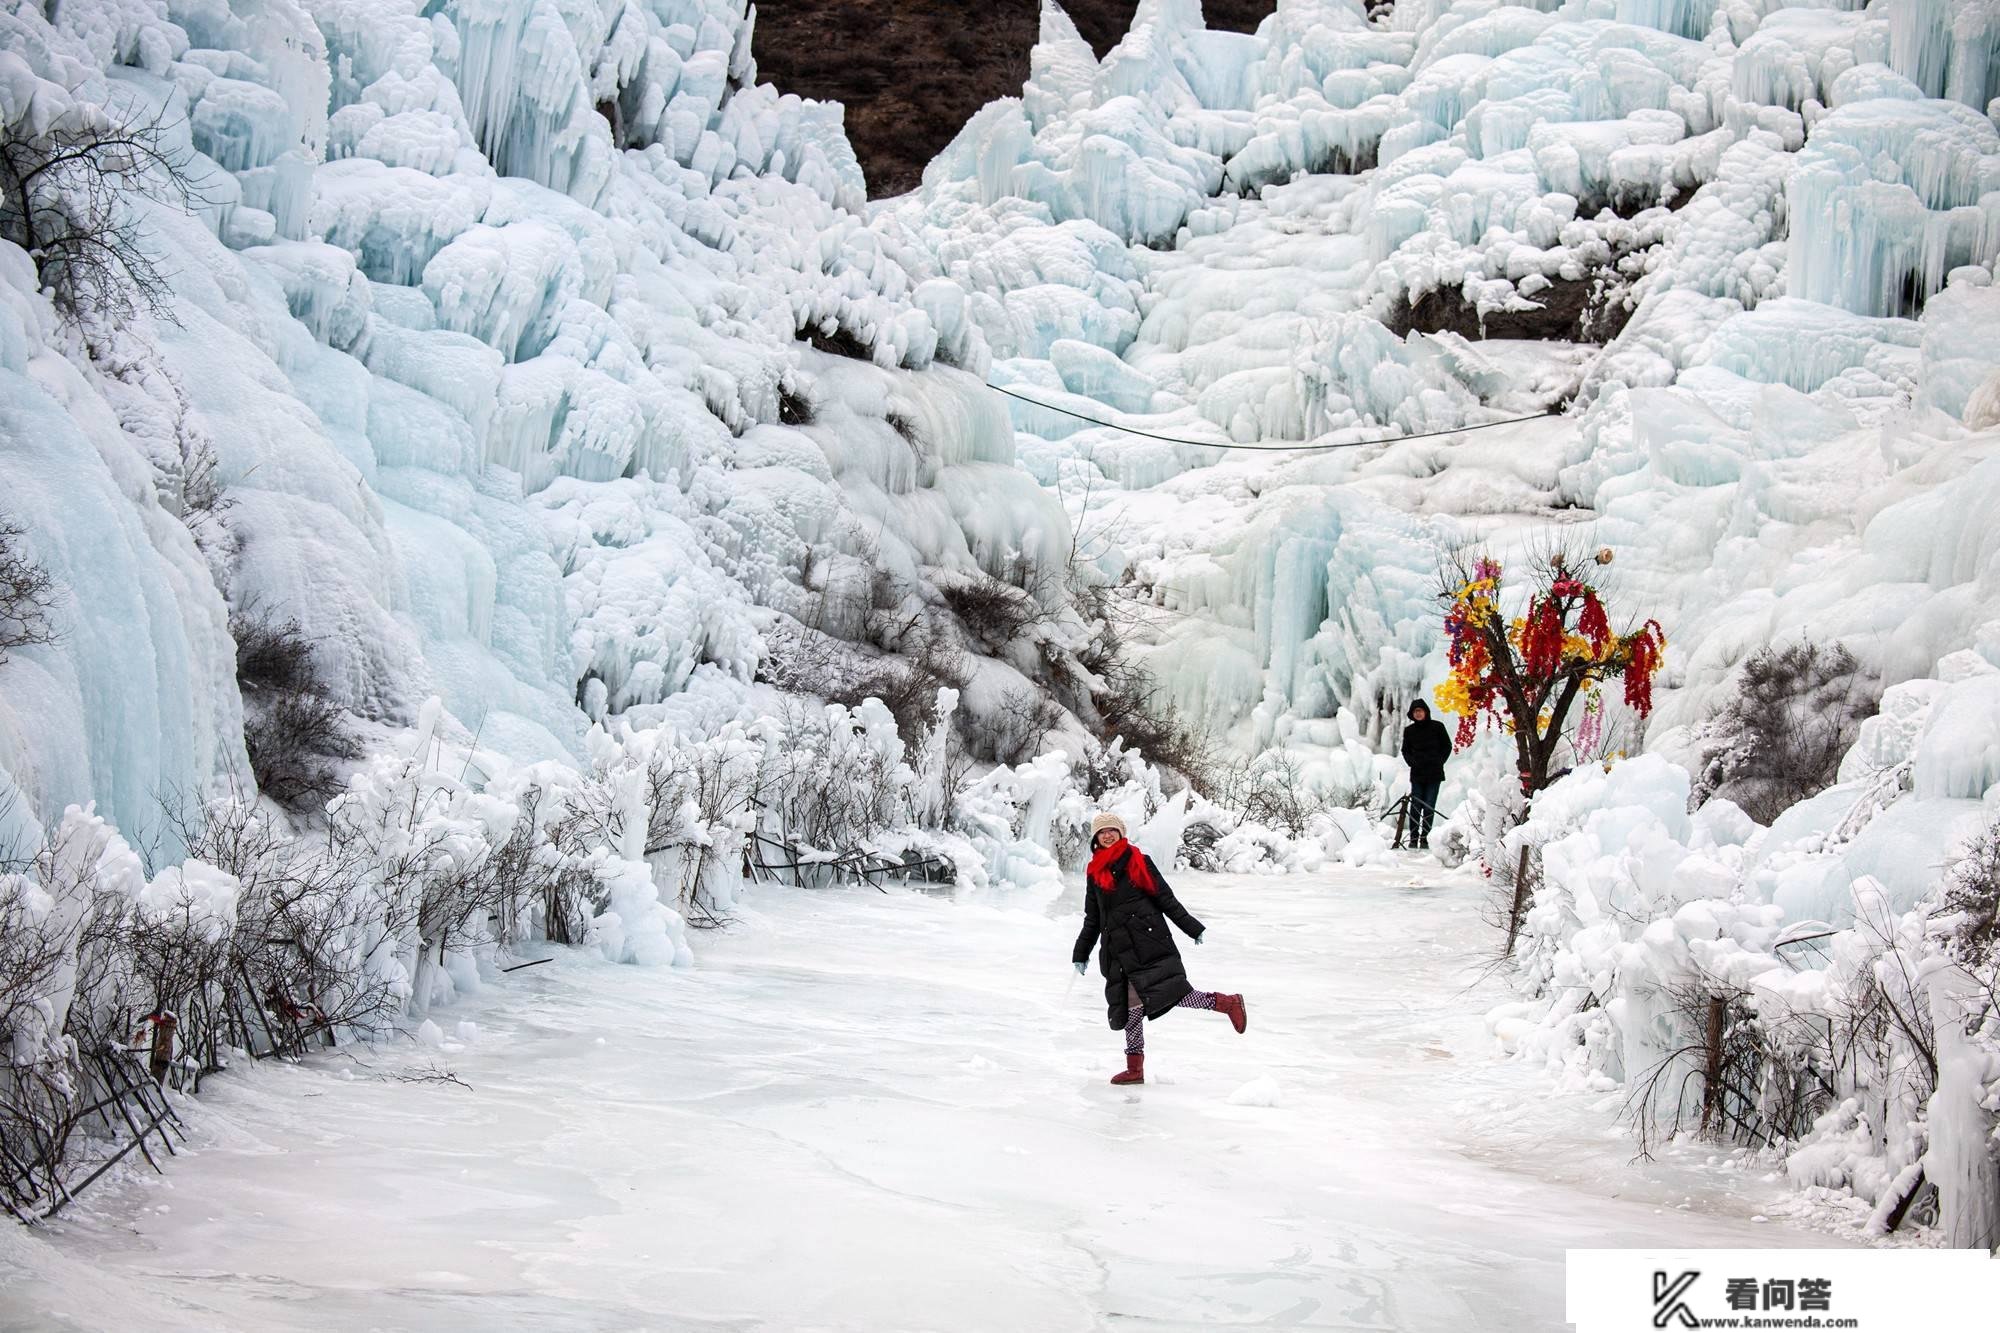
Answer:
(1107, 859)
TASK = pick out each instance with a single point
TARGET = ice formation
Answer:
(1648, 163)
(488, 317)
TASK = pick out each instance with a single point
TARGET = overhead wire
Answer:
(1272, 448)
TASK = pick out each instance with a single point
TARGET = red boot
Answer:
(1232, 1005)
(1135, 1070)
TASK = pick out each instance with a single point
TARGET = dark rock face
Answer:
(912, 72)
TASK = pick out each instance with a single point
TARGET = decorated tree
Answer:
(1528, 674)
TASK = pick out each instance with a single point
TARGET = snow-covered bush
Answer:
(833, 777)
(1023, 726)
(1972, 904)
(1809, 989)
(1274, 789)
(1780, 738)
(702, 797)
(63, 901)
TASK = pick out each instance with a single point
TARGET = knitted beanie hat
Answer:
(1103, 820)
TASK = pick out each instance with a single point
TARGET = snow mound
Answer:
(1262, 1091)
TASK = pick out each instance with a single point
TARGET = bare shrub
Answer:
(1728, 1080)
(292, 729)
(35, 947)
(1972, 925)
(815, 815)
(1779, 739)
(1136, 710)
(272, 654)
(303, 910)
(449, 896)
(1102, 768)
(43, 1081)
(205, 500)
(1198, 845)
(560, 893)
(806, 661)
(67, 196)
(289, 740)
(1972, 896)
(909, 691)
(795, 405)
(1113, 693)
(837, 339)
(691, 792)
(1754, 1072)
(27, 594)
(1272, 790)
(994, 614)
(1026, 719)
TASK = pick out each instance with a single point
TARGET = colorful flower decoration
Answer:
(1537, 666)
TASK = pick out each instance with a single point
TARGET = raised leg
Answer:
(1135, 1047)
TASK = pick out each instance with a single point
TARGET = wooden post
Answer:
(1520, 899)
(163, 1045)
(1711, 1086)
(1894, 1221)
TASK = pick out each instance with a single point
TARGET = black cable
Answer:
(1275, 448)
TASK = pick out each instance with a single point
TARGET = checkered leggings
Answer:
(1135, 1015)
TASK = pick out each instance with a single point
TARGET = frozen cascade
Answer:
(481, 440)
(1948, 48)
(520, 75)
(1881, 246)
(139, 695)
(1683, 18)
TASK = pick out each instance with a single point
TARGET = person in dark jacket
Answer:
(1127, 903)
(1426, 745)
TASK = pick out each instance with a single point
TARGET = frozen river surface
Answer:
(889, 1112)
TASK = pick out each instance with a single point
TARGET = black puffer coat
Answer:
(1138, 948)
(1426, 745)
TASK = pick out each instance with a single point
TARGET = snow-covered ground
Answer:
(889, 1112)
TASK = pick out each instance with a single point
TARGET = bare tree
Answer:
(27, 594)
(67, 196)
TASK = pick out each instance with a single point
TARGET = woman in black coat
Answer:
(1128, 903)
